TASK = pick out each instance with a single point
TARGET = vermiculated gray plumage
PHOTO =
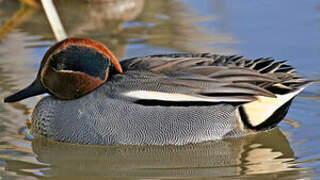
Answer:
(215, 86)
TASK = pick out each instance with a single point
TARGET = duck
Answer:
(164, 99)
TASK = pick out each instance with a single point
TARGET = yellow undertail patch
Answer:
(260, 110)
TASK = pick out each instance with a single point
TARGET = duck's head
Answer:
(70, 69)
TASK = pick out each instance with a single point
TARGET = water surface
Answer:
(281, 29)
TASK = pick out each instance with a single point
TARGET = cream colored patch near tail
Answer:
(260, 110)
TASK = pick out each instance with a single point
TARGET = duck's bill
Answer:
(32, 90)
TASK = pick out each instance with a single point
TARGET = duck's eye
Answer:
(81, 59)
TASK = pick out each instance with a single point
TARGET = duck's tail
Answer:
(266, 112)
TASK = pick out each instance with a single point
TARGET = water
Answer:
(281, 29)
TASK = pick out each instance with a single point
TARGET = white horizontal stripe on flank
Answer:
(163, 96)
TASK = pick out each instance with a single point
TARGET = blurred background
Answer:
(280, 29)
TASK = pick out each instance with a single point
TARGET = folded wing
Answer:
(206, 78)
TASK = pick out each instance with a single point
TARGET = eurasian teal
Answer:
(155, 100)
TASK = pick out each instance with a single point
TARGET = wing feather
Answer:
(212, 78)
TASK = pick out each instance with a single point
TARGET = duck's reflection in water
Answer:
(257, 155)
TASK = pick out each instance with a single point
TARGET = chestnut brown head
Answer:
(70, 69)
